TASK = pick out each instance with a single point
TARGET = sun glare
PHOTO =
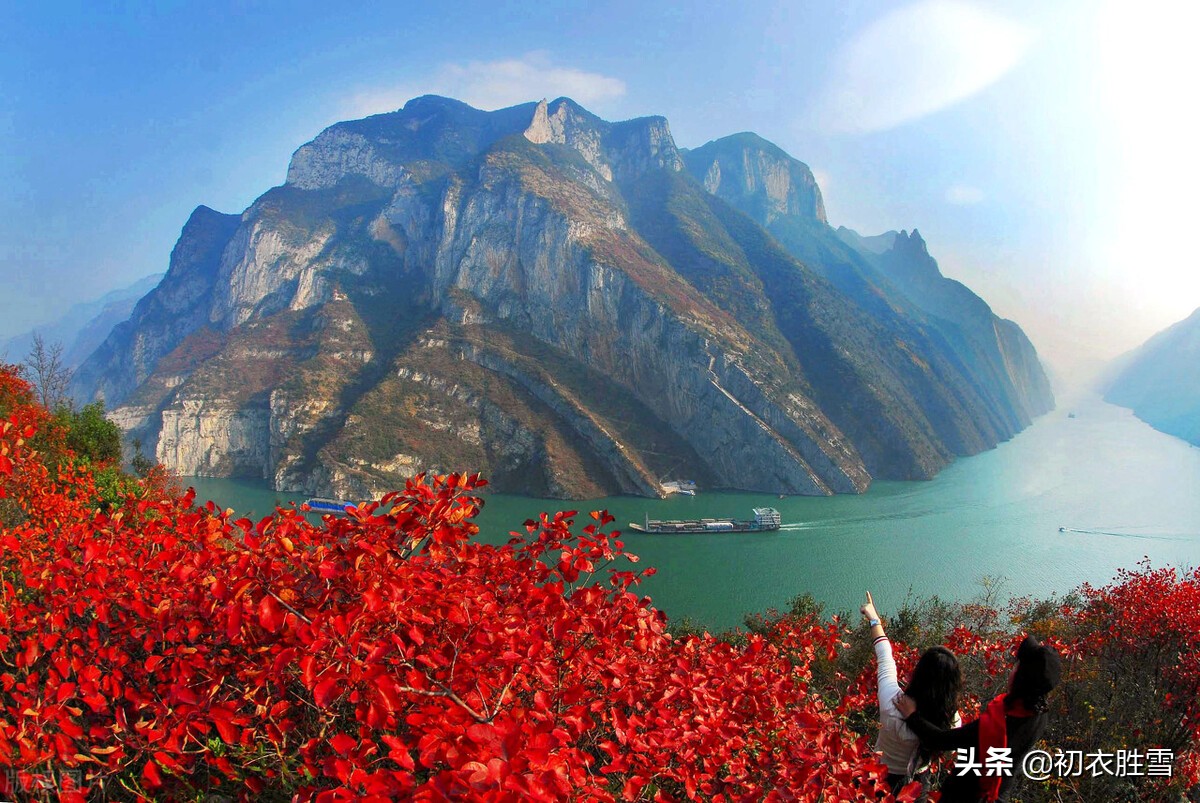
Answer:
(1148, 66)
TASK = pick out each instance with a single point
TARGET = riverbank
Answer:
(994, 515)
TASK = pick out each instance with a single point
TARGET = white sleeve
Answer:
(889, 687)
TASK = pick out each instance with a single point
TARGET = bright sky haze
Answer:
(1046, 151)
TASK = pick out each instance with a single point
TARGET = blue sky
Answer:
(1045, 151)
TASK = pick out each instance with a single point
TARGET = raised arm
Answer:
(888, 684)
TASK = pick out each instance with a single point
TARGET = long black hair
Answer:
(1039, 670)
(934, 686)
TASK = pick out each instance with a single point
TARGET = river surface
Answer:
(1123, 491)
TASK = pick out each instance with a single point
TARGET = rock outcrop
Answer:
(572, 306)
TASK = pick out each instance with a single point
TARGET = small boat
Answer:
(328, 505)
(765, 519)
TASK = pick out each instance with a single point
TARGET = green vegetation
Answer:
(70, 441)
(90, 435)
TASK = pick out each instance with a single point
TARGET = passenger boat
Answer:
(765, 519)
(322, 505)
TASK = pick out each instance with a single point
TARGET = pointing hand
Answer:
(868, 610)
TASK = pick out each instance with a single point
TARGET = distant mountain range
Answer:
(84, 326)
(1160, 380)
(572, 306)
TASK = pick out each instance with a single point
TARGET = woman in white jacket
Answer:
(935, 683)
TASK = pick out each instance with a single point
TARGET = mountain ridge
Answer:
(343, 330)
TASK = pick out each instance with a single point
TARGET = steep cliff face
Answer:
(538, 294)
(175, 309)
(758, 178)
(1160, 381)
(977, 377)
(995, 350)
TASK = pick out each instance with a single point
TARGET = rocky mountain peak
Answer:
(615, 150)
(434, 129)
(912, 243)
(643, 144)
(565, 123)
(429, 128)
(758, 177)
(912, 250)
(909, 263)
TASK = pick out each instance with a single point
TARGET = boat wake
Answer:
(1121, 535)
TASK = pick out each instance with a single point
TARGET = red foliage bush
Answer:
(164, 651)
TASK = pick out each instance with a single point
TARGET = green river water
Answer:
(1123, 491)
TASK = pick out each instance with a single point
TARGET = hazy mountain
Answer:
(84, 326)
(994, 350)
(573, 306)
(1160, 381)
(872, 244)
(989, 364)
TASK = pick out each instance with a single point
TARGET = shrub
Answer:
(153, 649)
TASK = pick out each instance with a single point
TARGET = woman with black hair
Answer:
(1014, 721)
(935, 682)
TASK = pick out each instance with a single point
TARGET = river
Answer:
(1123, 490)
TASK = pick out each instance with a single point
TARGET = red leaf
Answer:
(228, 733)
(399, 751)
(234, 625)
(325, 692)
(308, 669)
(343, 743)
(151, 775)
(389, 698)
(270, 614)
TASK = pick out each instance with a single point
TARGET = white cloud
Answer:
(494, 85)
(917, 60)
(963, 195)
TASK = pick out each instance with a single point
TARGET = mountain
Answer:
(574, 307)
(1160, 381)
(84, 326)
(987, 369)
(996, 350)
